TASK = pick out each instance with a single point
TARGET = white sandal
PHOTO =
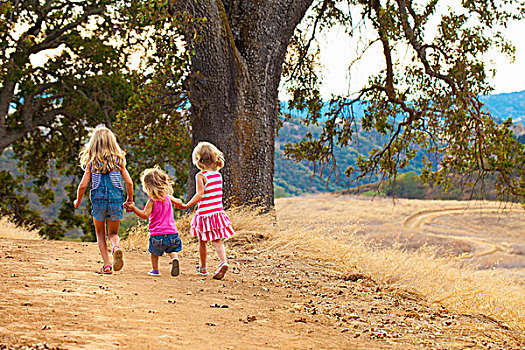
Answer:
(201, 270)
(118, 258)
(221, 271)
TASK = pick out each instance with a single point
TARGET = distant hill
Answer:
(293, 178)
(409, 185)
(504, 106)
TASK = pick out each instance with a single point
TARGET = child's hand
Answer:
(129, 206)
(76, 203)
(178, 203)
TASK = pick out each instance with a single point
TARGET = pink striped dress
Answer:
(210, 221)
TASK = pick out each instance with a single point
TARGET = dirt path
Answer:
(424, 217)
(52, 293)
(482, 246)
(53, 297)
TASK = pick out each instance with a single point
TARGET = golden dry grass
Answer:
(440, 280)
(338, 231)
(318, 235)
(247, 223)
(10, 230)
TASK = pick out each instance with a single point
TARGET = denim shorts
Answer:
(160, 244)
(107, 204)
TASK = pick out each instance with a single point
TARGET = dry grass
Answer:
(249, 226)
(441, 280)
(9, 230)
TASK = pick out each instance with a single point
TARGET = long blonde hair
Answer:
(102, 152)
(156, 183)
(206, 155)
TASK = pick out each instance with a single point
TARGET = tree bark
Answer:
(236, 71)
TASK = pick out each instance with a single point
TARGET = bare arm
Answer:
(143, 214)
(177, 202)
(129, 184)
(82, 187)
(199, 182)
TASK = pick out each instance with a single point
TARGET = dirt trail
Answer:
(483, 247)
(53, 297)
(424, 217)
(51, 292)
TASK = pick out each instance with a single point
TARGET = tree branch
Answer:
(52, 40)
(47, 118)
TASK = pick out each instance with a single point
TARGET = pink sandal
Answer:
(106, 269)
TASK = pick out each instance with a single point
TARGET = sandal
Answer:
(106, 269)
(118, 261)
(175, 267)
(201, 270)
(221, 271)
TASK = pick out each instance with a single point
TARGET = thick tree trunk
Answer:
(234, 90)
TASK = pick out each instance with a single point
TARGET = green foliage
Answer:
(156, 127)
(431, 104)
(88, 80)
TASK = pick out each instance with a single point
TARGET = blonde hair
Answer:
(156, 183)
(205, 156)
(102, 152)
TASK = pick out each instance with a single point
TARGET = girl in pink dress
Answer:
(210, 222)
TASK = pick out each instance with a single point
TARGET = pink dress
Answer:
(210, 221)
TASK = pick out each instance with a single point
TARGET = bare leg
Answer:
(113, 233)
(223, 266)
(221, 251)
(118, 261)
(154, 262)
(100, 229)
(173, 255)
(202, 254)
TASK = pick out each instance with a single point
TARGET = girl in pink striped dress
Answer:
(210, 222)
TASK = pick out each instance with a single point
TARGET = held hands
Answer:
(178, 204)
(129, 206)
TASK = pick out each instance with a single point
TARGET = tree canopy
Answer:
(426, 97)
(68, 66)
(138, 66)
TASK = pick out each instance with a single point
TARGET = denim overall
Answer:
(106, 200)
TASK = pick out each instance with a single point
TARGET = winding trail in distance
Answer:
(425, 217)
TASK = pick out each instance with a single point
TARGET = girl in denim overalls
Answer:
(105, 165)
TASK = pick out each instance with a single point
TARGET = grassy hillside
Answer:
(293, 178)
(317, 274)
(504, 106)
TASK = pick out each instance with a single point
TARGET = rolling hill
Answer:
(292, 178)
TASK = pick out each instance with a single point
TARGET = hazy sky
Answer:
(337, 50)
